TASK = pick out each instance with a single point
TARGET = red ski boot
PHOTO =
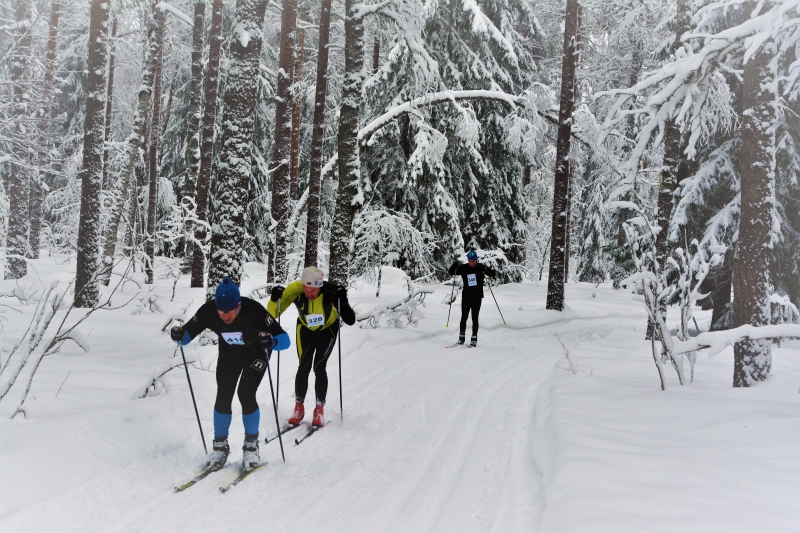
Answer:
(299, 413)
(319, 416)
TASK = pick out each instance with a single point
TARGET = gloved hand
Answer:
(455, 264)
(341, 292)
(176, 333)
(277, 292)
(266, 339)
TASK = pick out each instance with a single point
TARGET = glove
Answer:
(277, 292)
(176, 333)
(266, 339)
(341, 292)
(455, 264)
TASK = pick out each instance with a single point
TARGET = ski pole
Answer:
(341, 403)
(498, 306)
(275, 406)
(278, 377)
(452, 291)
(197, 414)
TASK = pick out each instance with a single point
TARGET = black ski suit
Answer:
(240, 351)
(472, 293)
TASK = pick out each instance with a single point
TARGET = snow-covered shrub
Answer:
(398, 314)
(782, 310)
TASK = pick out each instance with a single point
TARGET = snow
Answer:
(165, 6)
(503, 437)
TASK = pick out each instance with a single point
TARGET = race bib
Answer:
(234, 338)
(472, 280)
(315, 320)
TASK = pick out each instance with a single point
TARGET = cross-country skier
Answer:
(247, 335)
(472, 274)
(317, 327)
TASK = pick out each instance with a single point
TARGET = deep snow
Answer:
(504, 437)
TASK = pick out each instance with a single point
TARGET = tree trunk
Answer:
(192, 155)
(317, 137)
(207, 140)
(155, 40)
(753, 359)
(558, 260)
(349, 195)
(38, 187)
(281, 177)
(109, 99)
(297, 101)
(235, 156)
(721, 290)
(18, 186)
(94, 127)
(152, 196)
(376, 53)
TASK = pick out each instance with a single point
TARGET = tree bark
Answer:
(376, 53)
(207, 140)
(155, 40)
(753, 359)
(317, 136)
(281, 177)
(235, 156)
(349, 195)
(38, 186)
(558, 262)
(94, 126)
(109, 98)
(297, 101)
(153, 163)
(18, 186)
(192, 154)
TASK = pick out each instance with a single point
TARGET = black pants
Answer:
(313, 349)
(251, 366)
(467, 305)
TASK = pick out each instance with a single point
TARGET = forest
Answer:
(644, 143)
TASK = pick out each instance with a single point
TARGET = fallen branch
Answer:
(717, 341)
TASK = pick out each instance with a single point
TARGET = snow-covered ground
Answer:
(504, 437)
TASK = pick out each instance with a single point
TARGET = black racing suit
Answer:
(317, 328)
(472, 293)
(240, 352)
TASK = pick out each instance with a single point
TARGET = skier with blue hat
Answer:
(472, 274)
(247, 335)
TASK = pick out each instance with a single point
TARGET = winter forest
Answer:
(649, 149)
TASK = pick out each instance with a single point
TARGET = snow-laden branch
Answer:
(718, 340)
(165, 6)
(263, 68)
(430, 99)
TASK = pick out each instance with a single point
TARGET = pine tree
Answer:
(154, 166)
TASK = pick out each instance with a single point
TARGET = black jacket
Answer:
(241, 335)
(472, 277)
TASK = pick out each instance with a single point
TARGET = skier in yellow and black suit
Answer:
(317, 327)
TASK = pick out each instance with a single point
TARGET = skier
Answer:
(472, 275)
(317, 327)
(247, 335)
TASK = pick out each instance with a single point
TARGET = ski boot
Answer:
(473, 342)
(461, 338)
(219, 454)
(251, 458)
(299, 413)
(319, 416)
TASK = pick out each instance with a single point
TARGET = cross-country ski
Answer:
(243, 474)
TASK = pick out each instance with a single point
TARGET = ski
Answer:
(456, 345)
(198, 477)
(284, 430)
(304, 437)
(242, 475)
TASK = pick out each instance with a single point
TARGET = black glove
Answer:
(266, 340)
(176, 333)
(341, 292)
(455, 264)
(277, 292)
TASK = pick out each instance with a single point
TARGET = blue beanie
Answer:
(227, 296)
(472, 255)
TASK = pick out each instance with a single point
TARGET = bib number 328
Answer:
(315, 320)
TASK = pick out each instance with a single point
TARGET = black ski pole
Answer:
(341, 402)
(498, 306)
(452, 292)
(197, 414)
(278, 377)
(275, 406)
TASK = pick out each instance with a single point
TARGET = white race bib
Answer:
(315, 320)
(472, 281)
(234, 337)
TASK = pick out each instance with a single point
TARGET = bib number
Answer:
(472, 280)
(234, 338)
(315, 320)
